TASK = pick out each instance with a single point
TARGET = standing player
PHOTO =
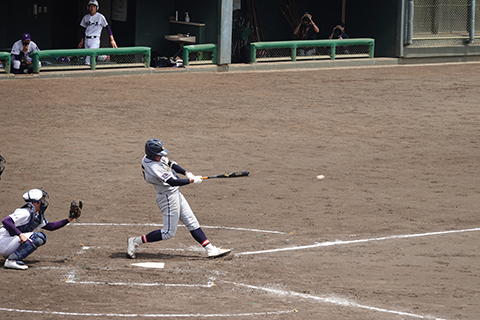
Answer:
(94, 22)
(19, 236)
(162, 174)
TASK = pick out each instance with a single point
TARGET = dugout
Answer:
(401, 28)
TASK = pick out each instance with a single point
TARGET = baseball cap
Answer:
(26, 36)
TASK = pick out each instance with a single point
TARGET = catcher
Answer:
(19, 235)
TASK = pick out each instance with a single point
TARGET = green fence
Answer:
(99, 58)
(199, 54)
(6, 61)
(311, 49)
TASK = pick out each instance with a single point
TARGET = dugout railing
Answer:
(199, 54)
(311, 49)
(62, 59)
(5, 61)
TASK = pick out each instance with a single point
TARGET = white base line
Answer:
(133, 315)
(161, 225)
(332, 300)
(340, 242)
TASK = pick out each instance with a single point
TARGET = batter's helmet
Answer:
(94, 2)
(155, 147)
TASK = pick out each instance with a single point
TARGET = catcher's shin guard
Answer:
(36, 240)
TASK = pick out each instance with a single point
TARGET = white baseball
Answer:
(320, 177)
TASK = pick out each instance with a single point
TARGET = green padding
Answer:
(7, 56)
(254, 46)
(199, 48)
(37, 55)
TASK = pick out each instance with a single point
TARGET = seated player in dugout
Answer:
(19, 235)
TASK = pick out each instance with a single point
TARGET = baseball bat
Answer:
(229, 175)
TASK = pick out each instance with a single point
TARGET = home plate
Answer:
(158, 265)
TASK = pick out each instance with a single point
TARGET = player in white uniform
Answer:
(94, 22)
(159, 171)
(19, 235)
(21, 51)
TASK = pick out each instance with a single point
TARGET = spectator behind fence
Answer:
(94, 22)
(306, 30)
(21, 50)
(338, 32)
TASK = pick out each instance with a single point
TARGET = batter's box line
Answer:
(71, 280)
(330, 299)
(132, 315)
(161, 225)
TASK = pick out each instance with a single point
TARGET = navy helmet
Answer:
(155, 147)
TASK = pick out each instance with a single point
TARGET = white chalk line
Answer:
(342, 242)
(133, 315)
(331, 299)
(161, 225)
(71, 279)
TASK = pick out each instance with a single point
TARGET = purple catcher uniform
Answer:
(19, 235)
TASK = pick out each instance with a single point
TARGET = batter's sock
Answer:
(150, 237)
(200, 236)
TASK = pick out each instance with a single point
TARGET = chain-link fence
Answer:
(309, 50)
(90, 58)
(85, 61)
(200, 57)
(444, 22)
(2, 65)
(5, 62)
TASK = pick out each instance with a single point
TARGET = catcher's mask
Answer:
(155, 147)
(2, 166)
(37, 195)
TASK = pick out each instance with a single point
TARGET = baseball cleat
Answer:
(13, 264)
(131, 248)
(218, 252)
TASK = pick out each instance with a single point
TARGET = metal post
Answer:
(472, 21)
(93, 61)
(410, 23)
(36, 64)
(253, 53)
(225, 36)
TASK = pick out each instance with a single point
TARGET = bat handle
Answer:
(203, 178)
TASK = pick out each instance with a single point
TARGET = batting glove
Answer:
(197, 179)
(190, 175)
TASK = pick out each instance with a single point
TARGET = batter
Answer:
(94, 22)
(159, 171)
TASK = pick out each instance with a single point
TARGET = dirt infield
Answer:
(392, 232)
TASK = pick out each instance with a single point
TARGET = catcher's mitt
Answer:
(75, 209)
